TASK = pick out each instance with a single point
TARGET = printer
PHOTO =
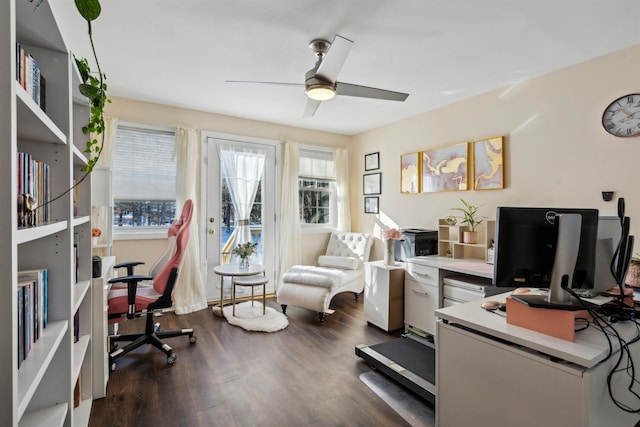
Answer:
(416, 242)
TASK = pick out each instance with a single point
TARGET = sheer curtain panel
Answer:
(291, 232)
(189, 294)
(242, 168)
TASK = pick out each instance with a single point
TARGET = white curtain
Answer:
(101, 214)
(106, 154)
(341, 162)
(189, 293)
(290, 229)
(243, 169)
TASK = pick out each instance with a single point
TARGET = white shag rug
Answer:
(251, 318)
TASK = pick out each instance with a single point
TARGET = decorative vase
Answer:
(244, 263)
(388, 253)
(470, 237)
(633, 276)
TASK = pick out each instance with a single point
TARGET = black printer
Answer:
(416, 242)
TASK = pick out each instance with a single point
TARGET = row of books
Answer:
(29, 76)
(34, 191)
(32, 309)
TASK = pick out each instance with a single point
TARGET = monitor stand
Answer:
(567, 247)
(408, 360)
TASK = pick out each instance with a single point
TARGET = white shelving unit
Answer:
(450, 242)
(40, 390)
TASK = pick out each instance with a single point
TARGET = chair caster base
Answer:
(284, 308)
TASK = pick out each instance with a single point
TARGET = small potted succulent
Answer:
(471, 218)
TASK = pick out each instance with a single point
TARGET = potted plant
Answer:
(471, 218)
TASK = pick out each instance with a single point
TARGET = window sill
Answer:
(155, 234)
(318, 230)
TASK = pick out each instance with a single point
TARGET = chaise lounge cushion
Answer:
(347, 263)
(330, 278)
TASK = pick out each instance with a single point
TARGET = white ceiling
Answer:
(180, 52)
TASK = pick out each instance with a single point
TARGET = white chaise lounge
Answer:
(341, 269)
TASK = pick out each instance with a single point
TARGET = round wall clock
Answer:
(622, 116)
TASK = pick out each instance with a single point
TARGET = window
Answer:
(144, 179)
(317, 188)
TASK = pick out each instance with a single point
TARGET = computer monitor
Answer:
(525, 247)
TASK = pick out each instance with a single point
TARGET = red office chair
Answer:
(134, 301)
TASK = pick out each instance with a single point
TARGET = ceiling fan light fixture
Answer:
(321, 92)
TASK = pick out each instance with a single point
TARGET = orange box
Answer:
(557, 323)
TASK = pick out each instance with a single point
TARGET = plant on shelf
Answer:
(94, 89)
(471, 218)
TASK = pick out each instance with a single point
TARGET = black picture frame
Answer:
(371, 205)
(372, 183)
(372, 161)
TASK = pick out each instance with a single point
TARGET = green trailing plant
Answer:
(470, 215)
(92, 87)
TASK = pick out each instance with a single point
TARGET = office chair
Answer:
(134, 301)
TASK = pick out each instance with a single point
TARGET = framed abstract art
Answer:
(488, 164)
(445, 168)
(410, 173)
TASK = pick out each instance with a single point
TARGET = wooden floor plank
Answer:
(304, 375)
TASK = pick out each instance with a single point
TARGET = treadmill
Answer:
(409, 360)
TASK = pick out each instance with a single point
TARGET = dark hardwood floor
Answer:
(304, 375)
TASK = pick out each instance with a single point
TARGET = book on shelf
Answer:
(29, 76)
(76, 327)
(32, 309)
(34, 190)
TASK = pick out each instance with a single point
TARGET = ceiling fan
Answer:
(321, 82)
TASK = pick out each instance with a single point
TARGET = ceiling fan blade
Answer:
(311, 108)
(348, 89)
(265, 83)
(334, 59)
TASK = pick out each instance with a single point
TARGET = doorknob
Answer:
(212, 231)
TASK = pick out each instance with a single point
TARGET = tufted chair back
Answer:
(357, 245)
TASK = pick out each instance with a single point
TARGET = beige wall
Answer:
(556, 153)
(161, 115)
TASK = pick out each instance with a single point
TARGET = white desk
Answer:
(489, 372)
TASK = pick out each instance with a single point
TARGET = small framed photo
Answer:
(372, 183)
(371, 205)
(372, 161)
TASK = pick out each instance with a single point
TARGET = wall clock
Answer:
(622, 116)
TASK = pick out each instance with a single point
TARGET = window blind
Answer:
(144, 164)
(316, 163)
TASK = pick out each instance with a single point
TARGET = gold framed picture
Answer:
(488, 164)
(445, 168)
(410, 173)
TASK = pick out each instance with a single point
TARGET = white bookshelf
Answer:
(40, 391)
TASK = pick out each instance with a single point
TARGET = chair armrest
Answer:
(132, 286)
(130, 265)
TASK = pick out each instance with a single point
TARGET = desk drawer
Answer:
(422, 273)
(461, 294)
(420, 302)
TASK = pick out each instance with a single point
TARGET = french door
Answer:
(225, 214)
